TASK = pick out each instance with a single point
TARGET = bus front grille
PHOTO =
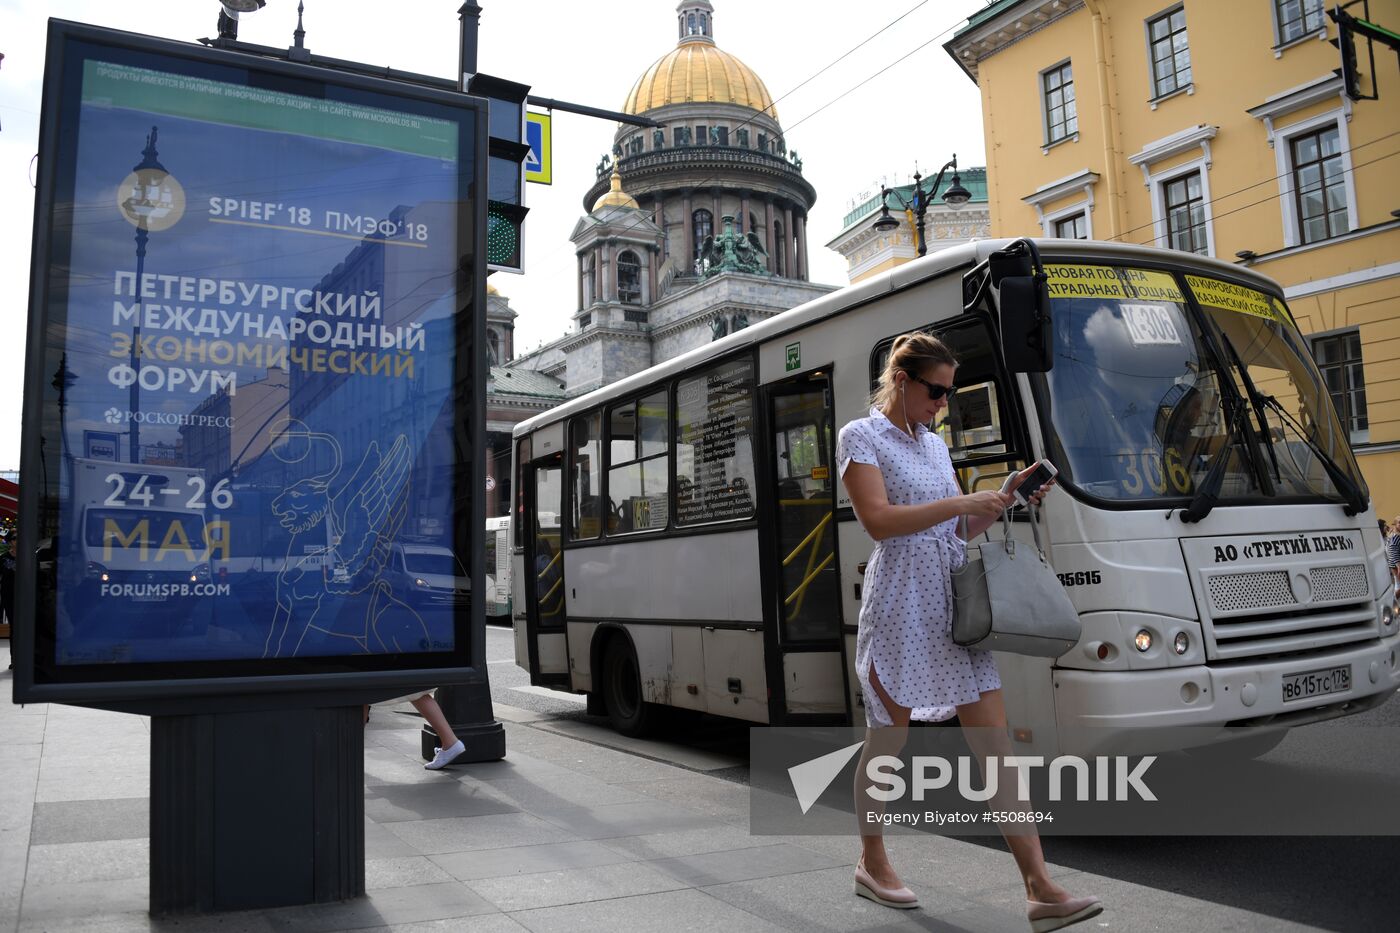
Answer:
(1233, 592)
(1291, 632)
(1275, 612)
(1247, 594)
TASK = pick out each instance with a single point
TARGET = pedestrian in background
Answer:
(8, 559)
(1392, 557)
(427, 706)
(906, 495)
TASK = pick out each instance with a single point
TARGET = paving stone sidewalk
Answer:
(563, 835)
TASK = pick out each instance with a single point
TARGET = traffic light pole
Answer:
(467, 706)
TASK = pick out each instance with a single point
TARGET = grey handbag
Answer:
(1007, 598)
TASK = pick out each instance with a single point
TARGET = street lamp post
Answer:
(956, 196)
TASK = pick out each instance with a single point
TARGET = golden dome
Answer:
(616, 197)
(697, 70)
(491, 289)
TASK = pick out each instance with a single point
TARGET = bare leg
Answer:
(878, 741)
(984, 726)
(428, 708)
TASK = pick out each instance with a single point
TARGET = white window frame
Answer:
(1189, 87)
(1082, 181)
(1283, 155)
(1064, 213)
(1157, 182)
(1280, 45)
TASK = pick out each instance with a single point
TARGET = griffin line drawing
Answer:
(341, 540)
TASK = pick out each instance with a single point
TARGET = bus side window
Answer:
(976, 426)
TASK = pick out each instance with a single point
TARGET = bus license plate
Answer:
(1316, 683)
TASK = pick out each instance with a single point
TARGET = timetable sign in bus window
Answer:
(254, 283)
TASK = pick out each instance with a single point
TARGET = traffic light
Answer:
(1346, 44)
(505, 233)
(505, 197)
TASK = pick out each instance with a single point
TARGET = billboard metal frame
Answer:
(323, 682)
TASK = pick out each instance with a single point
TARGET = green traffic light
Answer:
(502, 238)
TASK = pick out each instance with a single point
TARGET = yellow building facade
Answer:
(1221, 128)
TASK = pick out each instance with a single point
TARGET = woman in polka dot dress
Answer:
(906, 496)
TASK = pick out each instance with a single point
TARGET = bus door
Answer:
(805, 652)
(545, 615)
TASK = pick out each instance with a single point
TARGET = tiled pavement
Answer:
(561, 836)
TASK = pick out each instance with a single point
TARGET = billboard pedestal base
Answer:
(253, 810)
(468, 711)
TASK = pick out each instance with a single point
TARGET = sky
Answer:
(895, 103)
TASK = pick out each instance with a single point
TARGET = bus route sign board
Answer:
(259, 277)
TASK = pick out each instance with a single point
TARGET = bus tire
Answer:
(1245, 749)
(622, 689)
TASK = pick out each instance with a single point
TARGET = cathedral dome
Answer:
(698, 70)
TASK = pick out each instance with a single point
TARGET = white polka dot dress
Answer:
(906, 613)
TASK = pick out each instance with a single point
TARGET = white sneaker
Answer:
(442, 757)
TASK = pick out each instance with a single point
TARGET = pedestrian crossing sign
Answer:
(538, 163)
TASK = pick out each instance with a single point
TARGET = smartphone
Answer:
(1042, 473)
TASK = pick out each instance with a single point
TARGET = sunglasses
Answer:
(936, 391)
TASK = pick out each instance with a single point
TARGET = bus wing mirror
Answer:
(1027, 340)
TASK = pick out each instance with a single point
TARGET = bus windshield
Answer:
(1146, 397)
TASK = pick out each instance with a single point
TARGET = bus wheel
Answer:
(622, 690)
(1245, 749)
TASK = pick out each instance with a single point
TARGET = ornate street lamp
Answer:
(956, 196)
(228, 15)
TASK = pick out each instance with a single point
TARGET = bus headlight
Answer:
(1181, 643)
(94, 569)
(1142, 641)
(1387, 615)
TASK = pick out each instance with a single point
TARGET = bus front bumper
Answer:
(1135, 711)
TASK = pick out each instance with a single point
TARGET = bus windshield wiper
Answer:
(1256, 399)
(1207, 494)
(1355, 501)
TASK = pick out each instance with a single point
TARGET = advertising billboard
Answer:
(252, 409)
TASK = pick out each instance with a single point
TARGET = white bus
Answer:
(1212, 527)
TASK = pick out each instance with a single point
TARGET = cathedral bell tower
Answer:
(619, 251)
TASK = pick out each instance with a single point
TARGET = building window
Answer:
(702, 135)
(629, 278)
(681, 135)
(1061, 117)
(1171, 57)
(1073, 227)
(1339, 358)
(493, 348)
(1186, 214)
(1319, 184)
(702, 224)
(1297, 18)
(722, 135)
(779, 253)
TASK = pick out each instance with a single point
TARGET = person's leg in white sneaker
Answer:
(451, 746)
